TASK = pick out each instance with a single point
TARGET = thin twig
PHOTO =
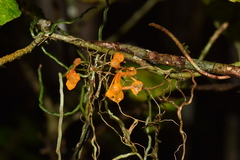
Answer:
(212, 39)
(179, 114)
(105, 12)
(61, 114)
(149, 119)
(54, 58)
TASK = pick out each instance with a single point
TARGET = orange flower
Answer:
(72, 76)
(118, 97)
(115, 92)
(117, 59)
(118, 56)
(76, 62)
(137, 87)
(72, 79)
(115, 63)
(131, 71)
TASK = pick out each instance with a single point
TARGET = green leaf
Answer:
(207, 2)
(151, 80)
(234, 0)
(8, 11)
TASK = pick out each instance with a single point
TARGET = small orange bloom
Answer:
(72, 79)
(76, 62)
(117, 59)
(115, 63)
(137, 87)
(118, 97)
(131, 71)
(115, 91)
(115, 97)
(118, 56)
(116, 88)
(72, 76)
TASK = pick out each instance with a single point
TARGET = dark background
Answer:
(211, 121)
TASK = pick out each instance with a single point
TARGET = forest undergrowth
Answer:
(110, 76)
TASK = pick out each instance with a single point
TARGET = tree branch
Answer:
(144, 57)
(174, 61)
(19, 53)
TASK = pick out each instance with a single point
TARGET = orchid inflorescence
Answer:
(72, 76)
(115, 91)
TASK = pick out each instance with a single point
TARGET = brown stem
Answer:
(185, 53)
(212, 39)
(172, 60)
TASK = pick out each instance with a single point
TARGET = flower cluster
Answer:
(72, 76)
(115, 91)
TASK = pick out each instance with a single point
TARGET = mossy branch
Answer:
(144, 57)
(19, 53)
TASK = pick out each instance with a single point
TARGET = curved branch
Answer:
(185, 53)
